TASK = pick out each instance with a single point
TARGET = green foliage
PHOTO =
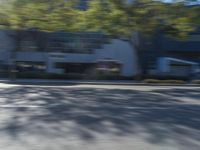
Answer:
(103, 15)
(114, 17)
(145, 16)
(40, 14)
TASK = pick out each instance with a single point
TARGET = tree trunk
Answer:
(137, 49)
(12, 67)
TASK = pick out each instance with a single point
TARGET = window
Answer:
(28, 46)
(83, 43)
(194, 38)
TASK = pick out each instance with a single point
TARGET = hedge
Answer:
(156, 81)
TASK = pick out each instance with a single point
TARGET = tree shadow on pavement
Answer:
(88, 113)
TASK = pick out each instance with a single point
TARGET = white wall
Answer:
(163, 65)
(122, 51)
(117, 49)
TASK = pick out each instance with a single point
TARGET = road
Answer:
(99, 117)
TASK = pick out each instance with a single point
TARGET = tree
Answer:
(121, 18)
(43, 15)
(40, 14)
(114, 17)
(145, 16)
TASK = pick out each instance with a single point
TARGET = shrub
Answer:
(30, 75)
(166, 77)
(104, 74)
(115, 71)
(173, 81)
(151, 81)
(72, 76)
(156, 81)
(196, 81)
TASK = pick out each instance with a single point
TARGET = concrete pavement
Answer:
(99, 117)
(88, 82)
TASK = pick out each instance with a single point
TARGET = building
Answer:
(63, 53)
(81, 53)
(162, 55)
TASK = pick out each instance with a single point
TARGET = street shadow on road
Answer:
(88, 113)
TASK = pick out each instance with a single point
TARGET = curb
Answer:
(74, 82)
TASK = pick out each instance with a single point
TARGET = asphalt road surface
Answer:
(99, 117)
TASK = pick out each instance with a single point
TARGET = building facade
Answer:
(63, 53)
(163, 55)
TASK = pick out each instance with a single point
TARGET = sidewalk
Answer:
(63, 82)
(89, 82)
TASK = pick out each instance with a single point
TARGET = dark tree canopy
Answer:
(115, 17)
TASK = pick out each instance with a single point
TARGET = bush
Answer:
(151, 81)
(166, 77)
(196, 81)
(72, 76)
(100, 74)
(156, 81)
(173, 81)
(115, 71)
(30, 75)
